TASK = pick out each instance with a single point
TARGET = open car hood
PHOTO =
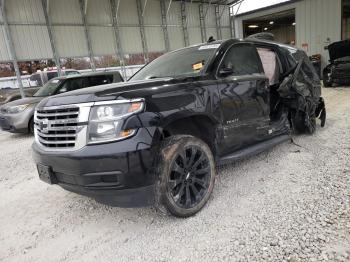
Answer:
(339, 49)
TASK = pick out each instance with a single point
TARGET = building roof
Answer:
(267, 7)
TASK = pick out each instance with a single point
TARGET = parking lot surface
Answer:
(290, 203)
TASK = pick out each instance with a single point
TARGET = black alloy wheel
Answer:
(189, 177)
(185, 169)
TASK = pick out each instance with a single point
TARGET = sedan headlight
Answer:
(106, 121)
(16, 109)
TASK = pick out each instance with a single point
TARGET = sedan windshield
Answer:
(185, 62)
(49, 88)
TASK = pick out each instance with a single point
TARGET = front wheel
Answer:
(186, 175)
(31, 126)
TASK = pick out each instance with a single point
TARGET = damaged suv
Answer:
(157, 139)
(338, 71)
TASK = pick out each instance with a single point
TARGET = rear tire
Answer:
(185, 175)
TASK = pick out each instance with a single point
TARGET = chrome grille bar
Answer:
(61, 127)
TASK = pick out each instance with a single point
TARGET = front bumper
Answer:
(117, 174)
(14, 123)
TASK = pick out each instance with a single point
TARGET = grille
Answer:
(57, 128)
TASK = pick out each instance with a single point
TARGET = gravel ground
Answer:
(291, 203)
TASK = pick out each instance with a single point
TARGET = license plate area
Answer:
(46, 174)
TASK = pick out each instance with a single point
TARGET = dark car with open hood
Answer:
(157, 139)
(338, 71)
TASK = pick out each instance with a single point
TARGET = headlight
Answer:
(16, 109)
(106, 121)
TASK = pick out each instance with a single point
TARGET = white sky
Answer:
(248, 5)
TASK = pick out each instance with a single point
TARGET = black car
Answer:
(157, 139)
(338, 71)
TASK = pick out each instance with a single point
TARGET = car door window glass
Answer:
(51, 75)
(100, 80)
(71, 85)
(242, 59)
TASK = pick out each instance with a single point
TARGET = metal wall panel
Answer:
(155, 39)
(70, 41)
(131, 40)
(192, 15)
(98, 12)
(65, 11)
(4, 52)
(174, 15)
(102, 40)
(175, 37)
(211, 32)
(31, 42)
(194, 35)
(24, 11)
(315, 27)
(225, 32)
(128, 13)
(225, 15)
(209, 10)
(152, 15)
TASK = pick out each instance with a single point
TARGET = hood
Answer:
(126, 90)
(339, 49)
(23, 101)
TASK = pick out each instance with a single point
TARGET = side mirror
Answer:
(225, 71)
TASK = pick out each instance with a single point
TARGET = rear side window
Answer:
(71, 73)
(243, 59)
(100, 80)
(35, 80)
(71, 85)
(51, 75)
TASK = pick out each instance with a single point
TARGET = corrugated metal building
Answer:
(56, 29)
(31, 39)
(317, 23)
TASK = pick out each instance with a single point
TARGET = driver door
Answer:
(244, 97)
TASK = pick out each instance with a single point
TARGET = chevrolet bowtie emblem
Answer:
(44, 126)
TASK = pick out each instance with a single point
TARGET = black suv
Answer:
(157, 139)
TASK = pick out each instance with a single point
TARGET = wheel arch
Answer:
(199, 125)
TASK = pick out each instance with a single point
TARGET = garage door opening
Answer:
(281, 24)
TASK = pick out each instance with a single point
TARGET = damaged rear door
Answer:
(300, 91)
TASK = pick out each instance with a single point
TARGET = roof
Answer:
(88, 74)
(213, 2)
(267, 8)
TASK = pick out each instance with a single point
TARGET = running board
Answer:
(252, 150)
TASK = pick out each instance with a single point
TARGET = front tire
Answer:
(186, 175)
(31, 126)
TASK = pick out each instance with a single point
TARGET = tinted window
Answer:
(51, 75)
(100, 80)
(49, 88)
(35, 79)
(72, 73)
(71, 85)
(243, 59)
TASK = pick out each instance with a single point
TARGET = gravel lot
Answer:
(291, 203)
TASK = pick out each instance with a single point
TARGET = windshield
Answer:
(184, 62)
(49, 88)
